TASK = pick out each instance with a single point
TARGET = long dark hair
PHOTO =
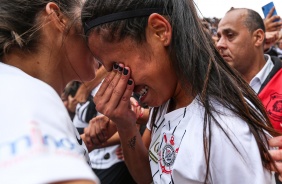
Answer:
(196, 61)
(19, 27)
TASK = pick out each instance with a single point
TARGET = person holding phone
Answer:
(273, 25)
(272, 21)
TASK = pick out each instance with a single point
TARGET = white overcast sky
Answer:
(217, 8)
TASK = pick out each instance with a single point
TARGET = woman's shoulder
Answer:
(16, 84)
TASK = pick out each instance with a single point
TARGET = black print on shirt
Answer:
(79, 140)
(160, 125)
(184, 112)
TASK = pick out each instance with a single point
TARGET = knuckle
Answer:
(103, 118)
(86, 131)
(92, 121)
(107, 112)
(107, 79)
(112, 85)
(99, 107)
(116, 92)
(96, 98)
(124, 98)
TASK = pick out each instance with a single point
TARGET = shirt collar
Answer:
(260, 77)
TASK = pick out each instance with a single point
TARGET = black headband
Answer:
(120, 16)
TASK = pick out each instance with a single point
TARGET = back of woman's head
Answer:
(19, 23)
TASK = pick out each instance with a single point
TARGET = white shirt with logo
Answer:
(176, 151)
(38, 142)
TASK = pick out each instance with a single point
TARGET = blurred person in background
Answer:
(68, 97)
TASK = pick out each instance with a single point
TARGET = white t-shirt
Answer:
(38, 142)
(102, 158)
(177, 152)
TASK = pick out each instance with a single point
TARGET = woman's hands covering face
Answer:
(113, 97)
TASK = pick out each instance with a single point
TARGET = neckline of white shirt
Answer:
(260, 77)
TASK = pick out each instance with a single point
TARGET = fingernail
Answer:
(125, 71)
(115, 66)
(129, 82)
(120, 68)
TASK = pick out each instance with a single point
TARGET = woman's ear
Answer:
(160, 28)
(56, 16)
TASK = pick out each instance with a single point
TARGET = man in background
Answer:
(241, 39)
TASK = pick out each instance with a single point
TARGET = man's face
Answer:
(235, 42)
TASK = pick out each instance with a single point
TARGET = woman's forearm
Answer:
(135, 155)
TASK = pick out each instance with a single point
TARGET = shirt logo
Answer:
(274, 110)
(168, 155)
(34, 141)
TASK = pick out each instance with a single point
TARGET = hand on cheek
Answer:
(113, 97)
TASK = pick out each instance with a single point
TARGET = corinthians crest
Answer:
(168, 154)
